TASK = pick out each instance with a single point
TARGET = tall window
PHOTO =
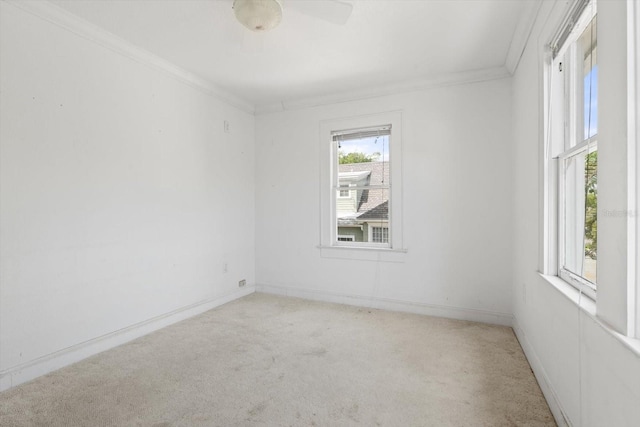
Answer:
(574, 142)
(361, 187)
(362, 164)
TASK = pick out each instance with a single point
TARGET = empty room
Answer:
(319, 213)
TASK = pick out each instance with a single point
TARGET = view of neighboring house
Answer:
(363, 214)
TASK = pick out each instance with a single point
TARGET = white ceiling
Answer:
(384, 42)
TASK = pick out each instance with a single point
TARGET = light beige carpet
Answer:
(272, 361)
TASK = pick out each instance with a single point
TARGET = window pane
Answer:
(580, 214)
(591, 217)
(363, 165)
(589, 44)
(361, 214)
(364, 162)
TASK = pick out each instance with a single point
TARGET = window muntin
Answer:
(362, 162)
(576, 147)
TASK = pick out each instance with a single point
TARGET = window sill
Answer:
(588, 305)
(583, 301)
(363, 253)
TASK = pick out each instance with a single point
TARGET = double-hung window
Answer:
(362, 164)
(361, 182)
(572, 95)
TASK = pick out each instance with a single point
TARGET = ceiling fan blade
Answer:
(333, 11)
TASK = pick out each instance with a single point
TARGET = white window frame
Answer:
(575, 280)
(335, 159)
(618, 303)
(328, 174)
(569, 110)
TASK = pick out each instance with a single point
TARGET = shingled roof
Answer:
(381, 211)
(372, 204)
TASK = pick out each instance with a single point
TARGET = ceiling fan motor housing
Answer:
(258, 15)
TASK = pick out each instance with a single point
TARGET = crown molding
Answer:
(521, 34)
(452, 79)
(64, 19)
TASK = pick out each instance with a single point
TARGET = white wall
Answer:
(120, 194)
(589, 373)
(457, 204)
(121, 198)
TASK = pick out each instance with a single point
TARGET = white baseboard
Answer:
(541, 375)
(51, 362)
(483, 316)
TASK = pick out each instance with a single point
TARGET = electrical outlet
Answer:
(225, 267)
(227, 127)
(242, 282)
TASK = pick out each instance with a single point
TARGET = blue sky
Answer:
(367, 146)
(591, 103)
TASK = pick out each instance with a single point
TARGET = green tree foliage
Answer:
(357, 157)
(591, 208)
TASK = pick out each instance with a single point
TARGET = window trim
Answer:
(328, 162)
(619, 296)
(335, 145)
